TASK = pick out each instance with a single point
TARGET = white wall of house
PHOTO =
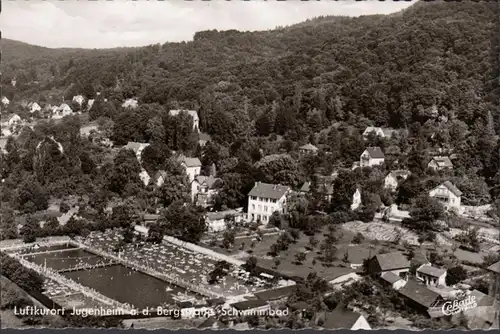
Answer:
(192, 172)
(449, 199)
(398, 271)
(263, 208)
(361, 323)
(390, 182)
(367, 161)
(356, 200)
(431, 280)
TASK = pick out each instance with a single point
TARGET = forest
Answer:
(431, 70)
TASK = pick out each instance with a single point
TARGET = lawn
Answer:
(288, 265)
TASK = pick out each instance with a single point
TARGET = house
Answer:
(192, 113)
(276, 294)
(372, 156)
(90, 103)
(394, 262)
(11, 120)
(5, 132)
(212, 323)
(215, 220)
(308, 149)
(419, 297)
(448, 195)
(137, 148)
(324, 186)
(494, 270)
(13, 82)
(375, 130)
(431, 275)
(379, 132)
(343, 318)
(356, 199)
(144, 176)
(440, 163)
(130, 103)
(192, 166)
(78, 99)
(393, 179)
(61, 111)
(393, 280)
(159, 178)
(149, 219)
(203, 139)
(34, 107)
(5, 101)
(253, 306)
(264, 199)
(204, 189)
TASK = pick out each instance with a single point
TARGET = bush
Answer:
(64, 207)
(358, 238)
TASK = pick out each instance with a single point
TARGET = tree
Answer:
(185, 222)
(155, 234)
(31, 197)
(251, 265)
(300, 257)
(424, 212)
(455, 275)
(313, 242)
(175, 188)
(263, 125)
(121, 216)
(30, 230)
(124, 173)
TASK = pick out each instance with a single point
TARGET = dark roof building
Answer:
(389, 262)
(275, 294)
(249, 304)
(266, 190)
(342, 318)
(390, 277)
(420, 296)
(431, 271)
(495, 267)
(375, 152)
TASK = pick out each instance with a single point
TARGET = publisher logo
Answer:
(457, 306)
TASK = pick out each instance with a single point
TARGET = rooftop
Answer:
(249, 304)
(190, 162)
(495, 267)
(451, 187)
(375, 152)
(419, 293)
(266, 190)
(390, 277)
(191, 113)
(209, 181)
(221, 214)
(277, 293)
(308, 147)
(340, 318)
(442, 161)
(431, 271)
(390, 261)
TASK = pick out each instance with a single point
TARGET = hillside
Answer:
(388, 69)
